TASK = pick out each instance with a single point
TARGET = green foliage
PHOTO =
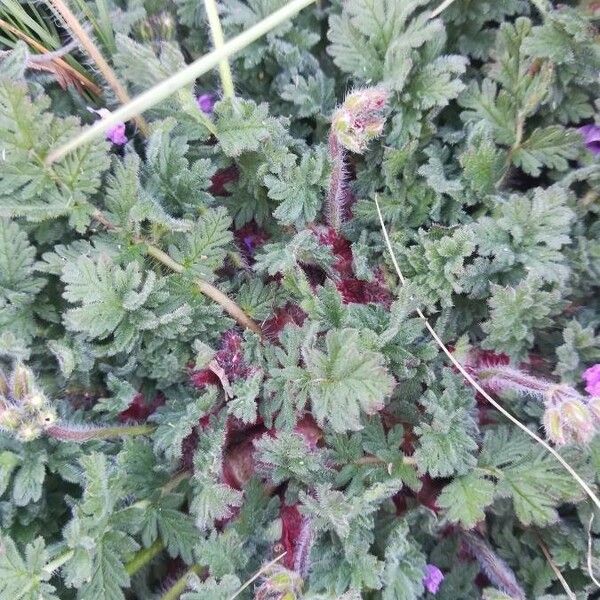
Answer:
(437, 263)
(404, 565)
(28, 188)
(466, 498)
(516, 313)
(339, 434)
(447, 438)
(344, 380)
(300, 189)
(241, 126)
(23, 577)
(530, 233)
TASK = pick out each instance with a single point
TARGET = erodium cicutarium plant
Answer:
(213, 382)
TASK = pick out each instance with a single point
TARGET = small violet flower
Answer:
(432, 579)
(591, 377)
(591, 137)
(116, 134)
(206, 103)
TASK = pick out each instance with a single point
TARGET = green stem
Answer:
(217, 36)
(143, 557)
(187, 75)
(58, 562)
(179, 586)
(75, 433)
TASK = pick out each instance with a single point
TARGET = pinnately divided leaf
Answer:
(345, 381)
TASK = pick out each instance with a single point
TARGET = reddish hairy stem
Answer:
(74, 433)
(336, 195)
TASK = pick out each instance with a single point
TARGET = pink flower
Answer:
(592, 380)
(591, 137)
(432, 579)
(116, 134)
(206, 103)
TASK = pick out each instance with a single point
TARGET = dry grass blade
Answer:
(217, 36)
(589, 553)
(63, 71)
(441, 8)
(557, 572)
(257, 575)
(584, 486)
(169, 86)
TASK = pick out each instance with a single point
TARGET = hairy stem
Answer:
(179, 586)
(144, 556)
(169, 86)
(497, 571)
(58, 562)
(94, 53)
(74, 433)
(336, 196)
(217, 36)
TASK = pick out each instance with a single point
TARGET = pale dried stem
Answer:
(218, 41)
(206, 288)
(557, 572)
(257, 575)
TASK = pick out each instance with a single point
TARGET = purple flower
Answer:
(432, 579)
(591, 377)
(206, 102)
(116, 134)
(591, 137)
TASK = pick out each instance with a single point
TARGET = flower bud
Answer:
(359, 119)
(4, 386)
(594, 406)
(9, 419)
(28, 432)
(279, 583)
(557, 394)
(35, 401)
(579, 420)
(22, 382)
(553, 426)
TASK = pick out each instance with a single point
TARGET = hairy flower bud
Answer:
(9, 419)
(4, 385)
(279, 583)
(34, 401)
(360, 118)
(553, 426)
(569, 421)
(593, 404)
(22, 382)
(28, 432)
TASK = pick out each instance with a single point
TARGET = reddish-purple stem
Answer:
(78, 433)
(336, 197)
